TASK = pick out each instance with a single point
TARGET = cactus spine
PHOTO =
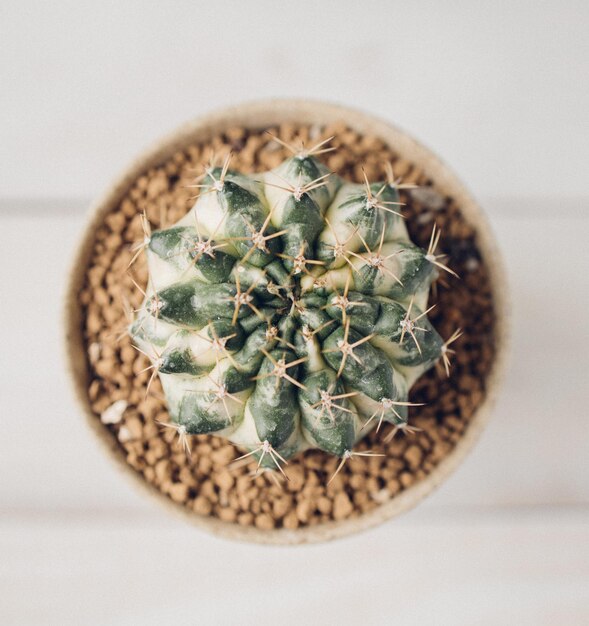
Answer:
(288, 310)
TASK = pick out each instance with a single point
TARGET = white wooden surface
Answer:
(506, 539)
(478, 569)
(500, 90)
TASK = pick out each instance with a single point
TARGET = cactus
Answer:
(288, 310)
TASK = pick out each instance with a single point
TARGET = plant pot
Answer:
(256, 116)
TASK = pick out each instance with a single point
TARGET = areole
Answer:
(260, 115)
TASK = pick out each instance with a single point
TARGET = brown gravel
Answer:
(202, 482)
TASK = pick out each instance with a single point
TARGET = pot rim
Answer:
(256, 115)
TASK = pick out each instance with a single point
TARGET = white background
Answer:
(500, 90)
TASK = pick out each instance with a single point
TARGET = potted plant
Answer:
(287, 320)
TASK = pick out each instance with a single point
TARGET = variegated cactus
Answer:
(288, 310)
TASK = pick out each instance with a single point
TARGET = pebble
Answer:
(94, 352)
(224, 455)
(264, 521)
(291, 521)
(202, 506)
(124, 434)
(393, 486)
(324, 505)
(114, 413)
(304, 510)
(162, 470)
(227, 514)
(342, 506)
(245, 519)
(296, 478)
(381, 496)
(406, 479)
(179, 492)
(413, 455)
(224, 480)
(281, 506)
(135, 427)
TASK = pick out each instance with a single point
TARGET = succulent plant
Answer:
(288, 310)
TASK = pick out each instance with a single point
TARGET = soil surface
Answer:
(203, 481)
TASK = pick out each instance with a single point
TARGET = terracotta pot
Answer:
(258, 115)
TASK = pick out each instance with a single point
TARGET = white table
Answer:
(505, 540)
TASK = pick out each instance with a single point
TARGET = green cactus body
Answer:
(287, 310)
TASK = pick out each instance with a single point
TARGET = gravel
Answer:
(203, 481)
